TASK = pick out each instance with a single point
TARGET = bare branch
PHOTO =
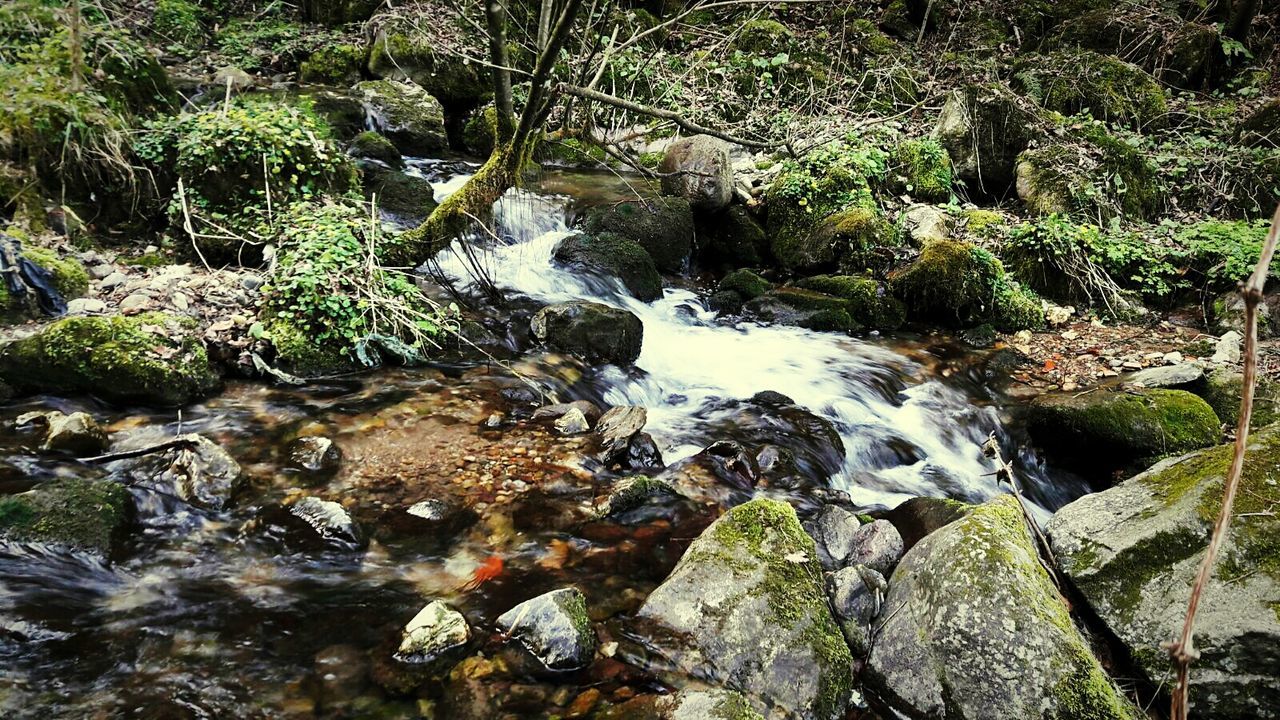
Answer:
(1183, 650)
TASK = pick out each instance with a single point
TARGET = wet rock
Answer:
(554, 412)
(972, 627)
(814, 444)
(834, 531)
(372, 146)
(698, 169)
(573, 422)
(436, 630)
(87, 515)
(1183, 376)
(732, 239)
(590, 330)
(77, 433)
(435, 519)
(663, 227)
(856, 593)
(152, 358)
(318, 455)
(313, 524)
(198, 472)
(404, 199)
(1121, 427)
(688, 704)
(617, 427)
(1133, 551)
(406, 114)
(876, 545)
(614, 256)
(918, 517)
(554, 628)
(630, 493)
(745, 609)
(643, 453)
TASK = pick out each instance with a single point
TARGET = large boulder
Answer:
(699, 170)
(1105, 427)
(1223, 388)
(745, 608)
(403, 51)
(590, 330)
(615, 256)
(972, 627)
(854, 239)
(1060, 177)
(406, 114)
(405, 200)
(1108, 88)
(152, 358)
(960, 284)
(663, 227)
(983, 128)
(731, 239)
(86, 515)
(1133, 551)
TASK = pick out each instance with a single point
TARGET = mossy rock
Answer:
(87, 515)
(69, 278)
(1134, 550)
(1017, 308)
(614, 256)
(1035, 18)
(745, 283)
(763, 37)
(410, 117)
(298, 353)
(803, 308)
(1110, 89)
(152, 358)
(1223, 389)
(745, 609)
(481, 131)
(404, 199)
(402, 52)
(1104, 428)
(973, 627)
(983, 128)
(1261, 128)
(590, 330)
(731, 239)
(663, 227)
(951, 282)
(375, 146)
(923, 169)
(856, 239)
(333, 65)
(869, 302)
(1092, 174)
(809, 207)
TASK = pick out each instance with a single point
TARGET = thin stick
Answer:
(174, 444)
(1183, 650)
(991, 448)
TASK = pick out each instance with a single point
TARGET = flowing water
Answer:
(200, 615)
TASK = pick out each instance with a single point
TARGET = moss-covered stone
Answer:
(69, 278)
(338, 64)
(1261, 128)
(973, 622)
(616, 256)
(88, 515)
(1090, 173)
(1116, 428)
(300, 354)
(150, 358)
(1017, 308)
(745, 283)
(763, 37)
(403, 52)
(405, 199)
(1223, 389)
(923, 169)
(1108, 88)
(731, 239)
(410, 117)
(983, 128)
(1134, 550)
(481, 131)
(951, 282)
(983, 223)
(814, 203)
(869, 303)
(375, 146)
(745, 608)
(663, 227)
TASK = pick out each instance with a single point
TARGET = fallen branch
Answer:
(677, 118)
(174, 444)
(1183, 650)
(991, 448)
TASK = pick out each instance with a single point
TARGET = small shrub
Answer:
(923, 169)
(180, 22)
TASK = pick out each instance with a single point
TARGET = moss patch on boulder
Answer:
(338, 64)
(922, 169)
(88, 515)
(1223, 389)
(1089, 173)
(951, 282)
(411, 118)
(663, 227)
(616, 256)
(1108, 88)
(868, 302)
(403, 52)
(375, 146)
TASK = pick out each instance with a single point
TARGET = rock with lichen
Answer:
(983, 128)
(663, 227)
(745, 609)
(972, 627)
(960, 284)
(613, 256)
(152, 358)
(554, 628)
(411, 118)
(86, 515)
(1134, 550)
(698, 169)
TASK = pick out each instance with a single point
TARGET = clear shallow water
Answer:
(202, 617)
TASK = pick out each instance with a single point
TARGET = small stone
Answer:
(180, 302)
(434, 631)
(1057, 315)
(76, 433)
(238, 79)
(99, 272)
(554, 628)
(250, 282)
(1070, 335)
(85, 306)
(1227, 351)
(573, 422)
(115, 279)
(135, 302)
(856, 593)
(877, 545)
(1173, 358)
(835, 532)
(315, 454)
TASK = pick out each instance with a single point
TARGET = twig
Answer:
(1183, 650)
(174, 444)
(991, 448)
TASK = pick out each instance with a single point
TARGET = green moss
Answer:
(867, 301)
(951, 282)
(983, 223)
(300, 354)
(147, 260)
(1017, 308)
(1086, 693)
(763, 37)
(925, 169)
(615, 255)
(1223, 390)
(69, 276)
(337, 64)
(403, 51)
(1110, 89)
(370, 144)
(745, 283)
(663, 227)
(1090, 173)
(150, 358)
(1125, 425)
(481, 130)
(84, 514)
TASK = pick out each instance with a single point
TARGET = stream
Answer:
(201, 616)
